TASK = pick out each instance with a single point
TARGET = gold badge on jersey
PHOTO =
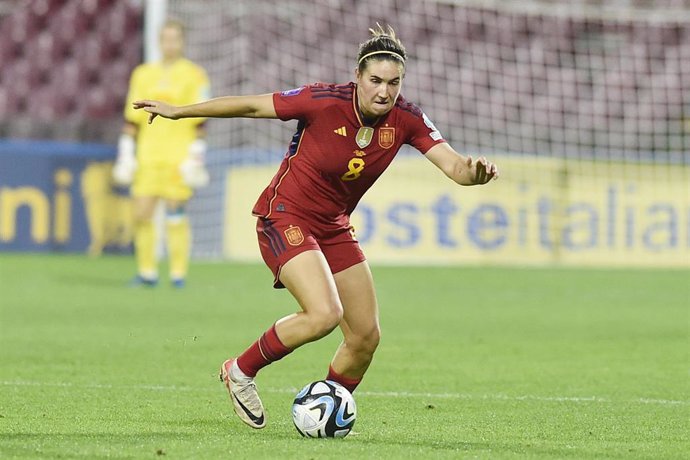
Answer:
(352, 232)
(294, 236)
(364, 136)
(386, 137)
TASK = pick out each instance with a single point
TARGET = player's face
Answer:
(378, 87)
(172, 43)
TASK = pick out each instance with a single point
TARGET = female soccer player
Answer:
(346, 137)
(164, 161)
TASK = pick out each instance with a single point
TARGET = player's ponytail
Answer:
(383, 45)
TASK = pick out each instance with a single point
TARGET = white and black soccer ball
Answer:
(324, 409)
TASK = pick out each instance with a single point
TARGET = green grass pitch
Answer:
(474, 363)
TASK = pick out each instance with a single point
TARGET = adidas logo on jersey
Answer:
(341, 131)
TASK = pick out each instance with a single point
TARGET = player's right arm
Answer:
(130, 129)
(126, 163)
(257, 106)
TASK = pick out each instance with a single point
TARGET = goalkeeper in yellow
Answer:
(163, 161)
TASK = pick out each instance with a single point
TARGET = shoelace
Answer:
(252, 400)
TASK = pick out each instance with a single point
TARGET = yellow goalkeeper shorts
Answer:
(160, 180)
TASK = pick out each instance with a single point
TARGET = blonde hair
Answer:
(174, 23)
(389, 32)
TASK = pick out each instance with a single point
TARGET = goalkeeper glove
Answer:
(193, 170)
(126, 162)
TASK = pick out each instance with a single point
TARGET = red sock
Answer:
(347, 382)
(263, 352)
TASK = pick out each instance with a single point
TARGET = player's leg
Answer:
(145, 240)
(309, 280)
(360, 326)
(95, 188)
(179, 240)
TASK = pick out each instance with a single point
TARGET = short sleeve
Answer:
(135, 93)
(423, 134)
(294, 104)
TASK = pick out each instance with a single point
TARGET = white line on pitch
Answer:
(384, 394)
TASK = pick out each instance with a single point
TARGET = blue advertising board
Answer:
(44, 191)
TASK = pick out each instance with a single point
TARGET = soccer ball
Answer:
(324, 409)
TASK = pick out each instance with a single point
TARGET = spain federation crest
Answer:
(294, 236)
(386, 137)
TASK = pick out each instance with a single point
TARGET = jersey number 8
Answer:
(354, 169)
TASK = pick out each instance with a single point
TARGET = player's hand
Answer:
(155, 108)
(481, 171)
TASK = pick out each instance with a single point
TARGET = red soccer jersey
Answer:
(334, 158)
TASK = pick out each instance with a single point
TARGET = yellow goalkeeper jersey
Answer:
(183, 82)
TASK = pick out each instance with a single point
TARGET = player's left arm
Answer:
(193, 168)
(460, 168)
(198, 147)
(200, 91)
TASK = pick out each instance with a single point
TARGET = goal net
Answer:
(584, 105)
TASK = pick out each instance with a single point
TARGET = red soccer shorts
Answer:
(284, 236)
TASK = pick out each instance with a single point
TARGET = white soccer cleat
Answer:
(245, 398)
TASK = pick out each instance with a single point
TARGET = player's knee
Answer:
(142, 215)
(374, 339)
(365, 344)
(142, 218)
(326, 320)
(175, 215)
